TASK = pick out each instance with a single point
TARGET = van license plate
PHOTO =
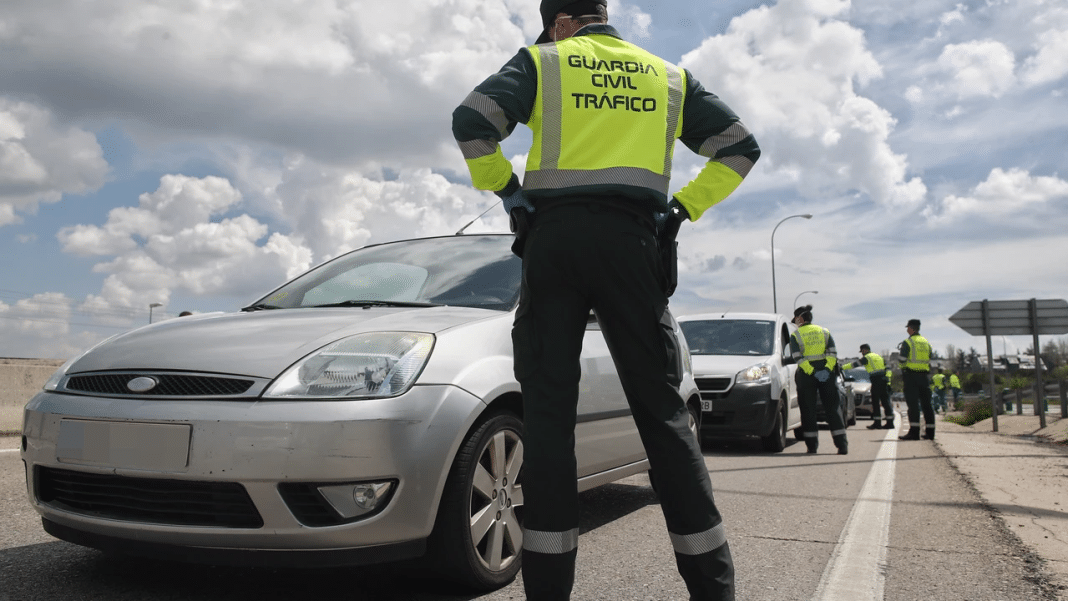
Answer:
(706, 405)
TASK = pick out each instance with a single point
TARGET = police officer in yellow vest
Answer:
(594, 224)
(812, 347)
(954, 385)
(880, 387)
(938, 387)
(915, 360)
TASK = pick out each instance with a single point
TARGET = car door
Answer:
(605, 435)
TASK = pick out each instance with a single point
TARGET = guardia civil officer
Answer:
(812, 347)
(880, 388)
(596, 231)
(915, 354)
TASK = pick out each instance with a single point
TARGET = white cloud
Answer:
(1012, 192)
(1050, 63)
(979, 68)
(41, 160)
(790, 71)
(171, 243)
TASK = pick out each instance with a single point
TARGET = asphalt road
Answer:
(892, 520)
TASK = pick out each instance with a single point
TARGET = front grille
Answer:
(713, 389)
(167, 385)
(147, 500)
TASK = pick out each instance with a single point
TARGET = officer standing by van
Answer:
(880, 388)
(915, 360)
(595, 228)
(812, 347)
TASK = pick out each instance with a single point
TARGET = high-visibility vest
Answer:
(939, 381)
(607, 112)
(954, 381)
(919, 358)
(814, 343)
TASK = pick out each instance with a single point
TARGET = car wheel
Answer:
(776, 441)
(478, 535)
(695, 422)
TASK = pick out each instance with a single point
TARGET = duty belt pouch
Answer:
(669, 256)
(519, 221)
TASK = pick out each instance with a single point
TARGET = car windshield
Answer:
(858, 374)
(730, 337)
(466, 271)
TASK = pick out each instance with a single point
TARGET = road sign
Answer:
(1013, 318)
(1008, 318)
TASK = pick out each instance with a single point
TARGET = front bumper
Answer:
(258, 446)
(740, 409)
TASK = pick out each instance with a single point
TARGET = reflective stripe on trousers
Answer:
(700, 542)
(550, 543)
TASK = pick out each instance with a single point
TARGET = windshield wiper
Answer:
(376, 303)
(259, 307)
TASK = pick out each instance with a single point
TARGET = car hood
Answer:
(260, 343)
(860, 386)
(724, 365)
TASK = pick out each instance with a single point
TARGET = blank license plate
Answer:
(706, 405)
(124, 444)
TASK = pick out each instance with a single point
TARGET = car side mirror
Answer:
(788, 360)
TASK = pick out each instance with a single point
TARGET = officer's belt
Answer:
(612, 203)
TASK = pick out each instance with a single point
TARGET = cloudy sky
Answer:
(198, 153)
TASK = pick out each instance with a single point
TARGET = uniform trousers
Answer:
(880, 397)
(918, 398)
(808, 387)
(581, 256)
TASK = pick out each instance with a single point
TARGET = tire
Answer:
(775, 442)
(477, 539)
(695, 422)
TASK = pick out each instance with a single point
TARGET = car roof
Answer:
(728, 315)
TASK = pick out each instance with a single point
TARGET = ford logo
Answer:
(142, 384)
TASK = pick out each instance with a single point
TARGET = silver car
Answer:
(364, 412)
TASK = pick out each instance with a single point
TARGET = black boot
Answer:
(876, 425)
(812, 448)
(889, 425)
(842, 444)
(913, 434)
(929, 434)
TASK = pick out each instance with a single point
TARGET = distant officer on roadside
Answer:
(954, 385)
(915, 360)
(812, 347)
(938, 386)
(880, 388)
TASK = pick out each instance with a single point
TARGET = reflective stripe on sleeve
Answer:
(488, 108)
(700, 542)
(728, 137)
(476, 149)
(550, 543)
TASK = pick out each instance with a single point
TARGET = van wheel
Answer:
(776, 441)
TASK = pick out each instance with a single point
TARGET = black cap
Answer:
(914, 324)
(550, 8)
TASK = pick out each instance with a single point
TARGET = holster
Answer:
(519, 221)
(669, 252)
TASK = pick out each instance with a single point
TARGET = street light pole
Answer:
(774, 297)
(150, 307)
(805, 292)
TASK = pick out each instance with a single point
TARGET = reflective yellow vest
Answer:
(954, 381)
(875, 363)
(607, 112)
(919, 358)
(813, 341)
(939, 381)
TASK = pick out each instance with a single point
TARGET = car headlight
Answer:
(371, 365)
(759, 374)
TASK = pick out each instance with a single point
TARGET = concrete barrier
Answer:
(20, 379)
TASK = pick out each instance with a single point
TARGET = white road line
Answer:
(9, 450)
(855, 571)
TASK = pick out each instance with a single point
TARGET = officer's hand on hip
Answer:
(669, 222)
(516, 200)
